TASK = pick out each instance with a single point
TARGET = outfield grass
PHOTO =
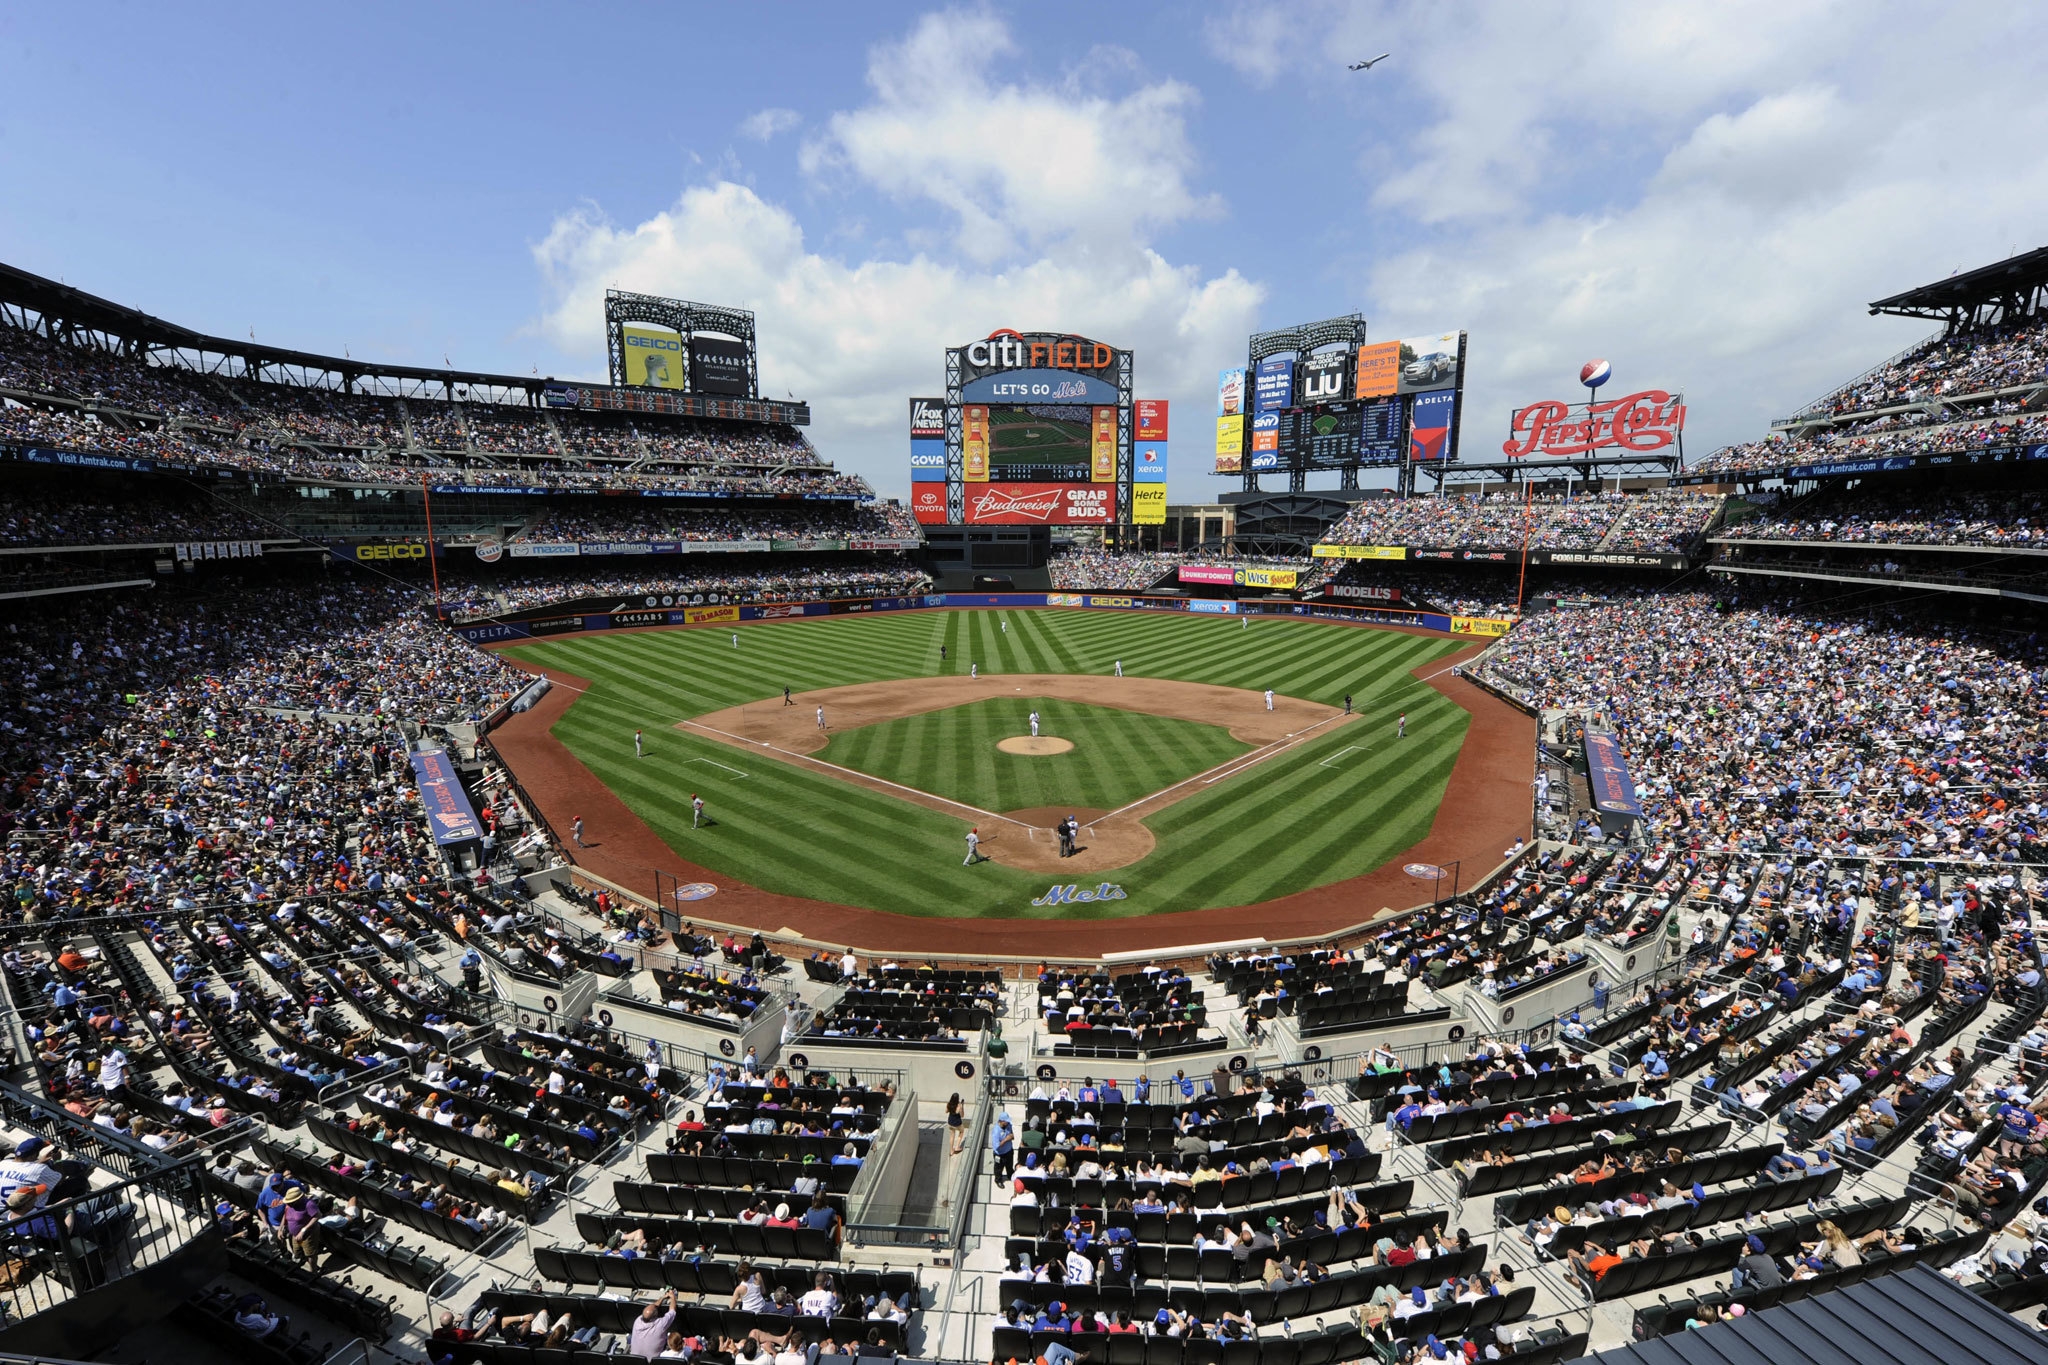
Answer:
(1335, 807)
(1118, 756)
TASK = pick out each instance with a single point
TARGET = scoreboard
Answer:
(1333, 435)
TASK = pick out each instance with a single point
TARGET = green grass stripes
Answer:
(1288, 824)
(1119, 756)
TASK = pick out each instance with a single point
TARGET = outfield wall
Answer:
(662, 609)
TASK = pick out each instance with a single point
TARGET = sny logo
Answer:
(1074, 895)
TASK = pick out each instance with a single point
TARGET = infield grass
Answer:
(1118, 756)
(1334, 807)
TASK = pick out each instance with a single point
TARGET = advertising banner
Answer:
(1622, 559)
(1148, 504)
(928, 503)
(1429, 438)
(807, 543)
(1360, 592)
(1379, 370)
(1039, 386)
(1266, 460)
(697, 616)
(1230, 435)
(1230, 393)
(1650, 420)
(974, 443)
(1323, 378)
(1148, 462)
(719, 366)
(927, 461)
(1042, 504)
(1429, 362)
(1206, 573)
(653, 358)
(1214, 608)
(364, 551)
(1232, 463)
(1266, 431)
(449, 813)
(1065, 599)
(1614, 791)
(1150, 414)
(1273, 388)
(1102, 446)
(1358, 551)
(1267, 578)
(1479, 625)
(928, 419)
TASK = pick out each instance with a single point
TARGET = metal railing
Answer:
(91, 1238)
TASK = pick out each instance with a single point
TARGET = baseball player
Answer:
(696, 810)
(1247, 624)
(1006, 627)
(1066, 834)
(735, 639)
(1119, 668)
(1401, 726)
(1347, 703)
(638, 752)
(785, 696)
(974, 670)
(1034, 725)
(973, 848)
(821, 718)
(576, 830)
(942, 654)
(1269, 699)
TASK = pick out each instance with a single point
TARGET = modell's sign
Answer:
(1650, 420)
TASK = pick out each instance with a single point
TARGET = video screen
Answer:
(1041, 442)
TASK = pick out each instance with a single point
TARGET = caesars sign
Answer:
(1650, 420)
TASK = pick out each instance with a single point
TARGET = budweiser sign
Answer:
(1650, 420)
(1051, 504)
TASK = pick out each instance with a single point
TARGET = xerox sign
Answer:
(1041, 504)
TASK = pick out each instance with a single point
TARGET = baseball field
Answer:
(1189, 791)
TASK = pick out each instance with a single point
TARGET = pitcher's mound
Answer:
(1034, 744)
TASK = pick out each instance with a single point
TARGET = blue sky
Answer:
(1704, 195)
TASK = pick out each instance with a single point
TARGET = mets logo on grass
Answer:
(1075, 895)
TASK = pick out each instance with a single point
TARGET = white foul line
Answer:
(1230, 767)
(716, 764)
(1347, 749)
(855, 774)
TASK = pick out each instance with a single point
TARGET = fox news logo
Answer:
(927, 418)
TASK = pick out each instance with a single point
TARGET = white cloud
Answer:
(1018, 165)
(763, 124)
(1031, 247)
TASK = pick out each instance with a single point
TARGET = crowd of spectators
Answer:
(142, 768)
(1664, 520)
(43, 517)
(1768, 727)
(1884, 440)
(83, 398)
(765, 578)
(1931, 517)
(611, 522)
(1948, 366)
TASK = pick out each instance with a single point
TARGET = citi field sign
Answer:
(1008, 349)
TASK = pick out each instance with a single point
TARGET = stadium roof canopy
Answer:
(1916, 1317)
(74, 310)
(2010, 285)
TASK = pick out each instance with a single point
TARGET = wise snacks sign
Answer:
(1641, 422)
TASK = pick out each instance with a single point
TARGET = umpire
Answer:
(1068, 828)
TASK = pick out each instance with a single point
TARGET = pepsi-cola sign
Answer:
(1646, 421)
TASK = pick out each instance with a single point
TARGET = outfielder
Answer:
(1401, 726)
(637, 751)
(1269, 699)
(696, 810)
(821, 718)
(974, 670)
(1119, 668)
(735, 639)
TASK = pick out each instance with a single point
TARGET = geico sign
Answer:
(371, 552)
(1008, 350)
(654, 343)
